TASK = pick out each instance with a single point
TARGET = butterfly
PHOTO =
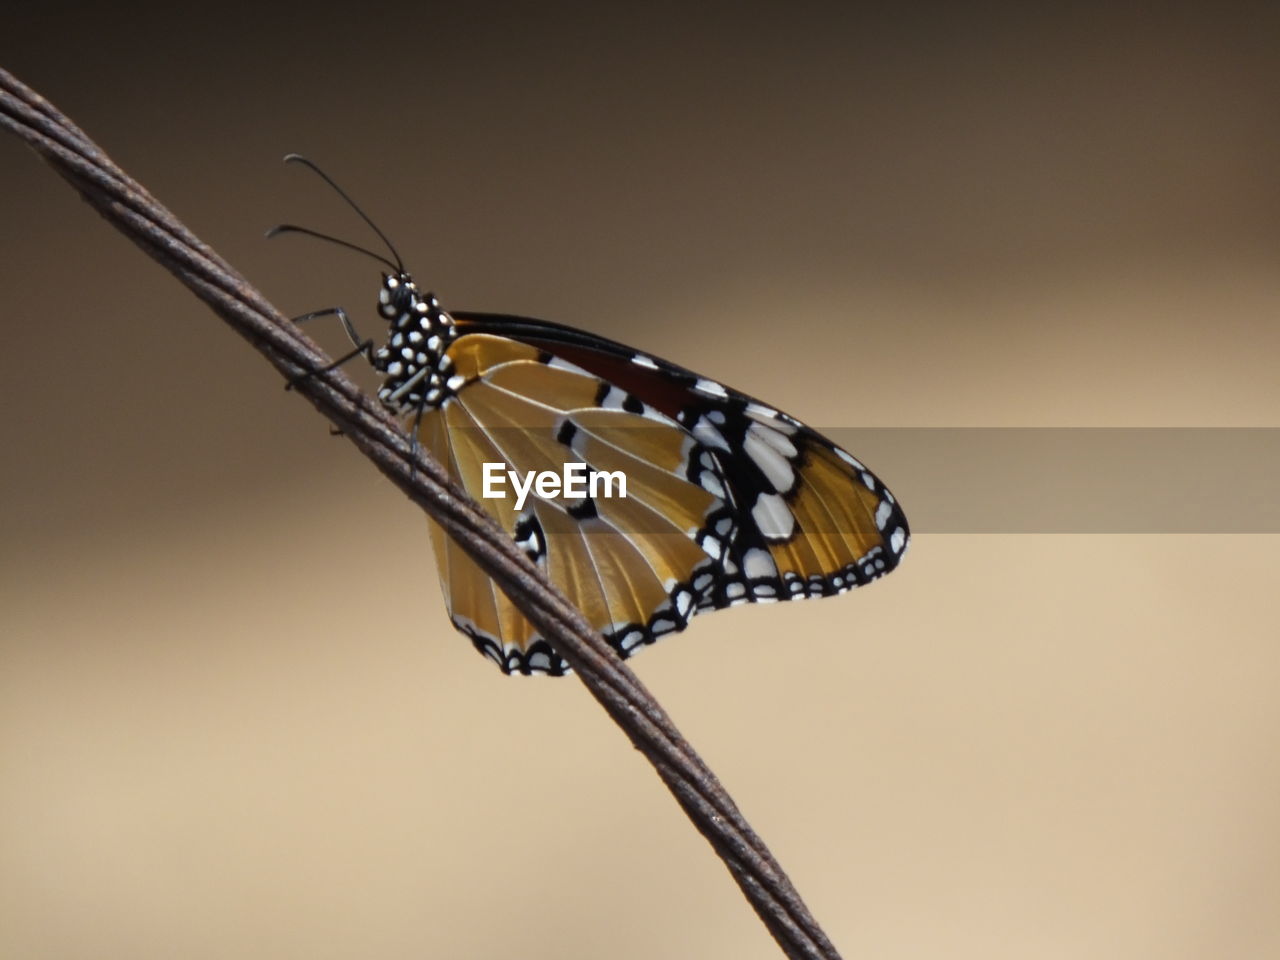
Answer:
(724, 499)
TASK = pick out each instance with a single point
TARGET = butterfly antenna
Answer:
(298, 158)
(291, 228)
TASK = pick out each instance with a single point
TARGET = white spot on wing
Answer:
(898, 540)
(849, 460)
(557, 364)
(758, 563)
(711, 483)
(711, 388)
(771, 463)
(882, 514)
(775, 439)
(708, 435)
(773, 517)
(631, 640)
(758, 411)
(640, 360)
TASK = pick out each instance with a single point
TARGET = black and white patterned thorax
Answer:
(419, 374)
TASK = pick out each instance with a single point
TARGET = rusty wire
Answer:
(377, 434)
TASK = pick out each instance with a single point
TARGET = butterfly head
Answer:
(419, 372)
(398, 295)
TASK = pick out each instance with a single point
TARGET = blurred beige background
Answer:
(233, 719)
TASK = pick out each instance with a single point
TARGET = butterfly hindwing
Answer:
(729, 500)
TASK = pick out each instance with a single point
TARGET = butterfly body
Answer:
(726, 499)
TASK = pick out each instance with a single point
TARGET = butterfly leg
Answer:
(413, 434)
(362, 345)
